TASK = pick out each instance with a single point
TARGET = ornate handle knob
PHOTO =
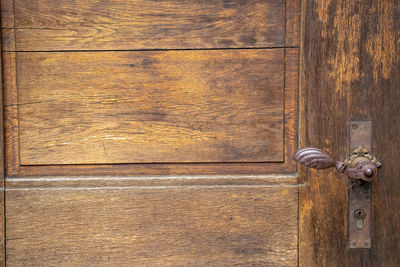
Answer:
(360, 166)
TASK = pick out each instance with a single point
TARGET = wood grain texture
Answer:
(14, 168)
(185, 226)
(7, 25)
(146, 181)
(351, 71)
(2, 168)
(7, 14)
(292, 62)
(135, 107)
(2, 229)
(140, 24)
(11, 132)
(293, 15)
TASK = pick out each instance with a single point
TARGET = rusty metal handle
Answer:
(360, 166)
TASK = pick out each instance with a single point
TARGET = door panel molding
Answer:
(151, 181)
(287, 166)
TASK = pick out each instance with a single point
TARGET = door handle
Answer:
(360, 166)
(361, 169)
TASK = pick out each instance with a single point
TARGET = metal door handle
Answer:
(360, 166)
(361, 169)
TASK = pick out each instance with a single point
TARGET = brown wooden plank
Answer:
(2, 229)
(2, 172)
(170, 226)
(351, 71)
(129, 107)
(293, 15)
(10, 114)
(292, 62)
(146, 181)
(7, 25)
(8, 39)
(2, 164)
(139, 24)
(7, 13)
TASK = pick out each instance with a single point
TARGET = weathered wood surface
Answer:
(2, 229)
(129, 107)
(293, 15)
(146, 181)
(153, 226)
(2, 169)
(139, 24)
(351, 71)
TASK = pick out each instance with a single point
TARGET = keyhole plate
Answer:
(360, 191)
(359, 214)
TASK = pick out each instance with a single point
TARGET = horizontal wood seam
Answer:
(169, 182)
(188, 177)
(151, 187)
(157, 49)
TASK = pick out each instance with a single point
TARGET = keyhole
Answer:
(359, 215)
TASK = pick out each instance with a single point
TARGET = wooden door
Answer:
(150, 133)
(161, 133)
